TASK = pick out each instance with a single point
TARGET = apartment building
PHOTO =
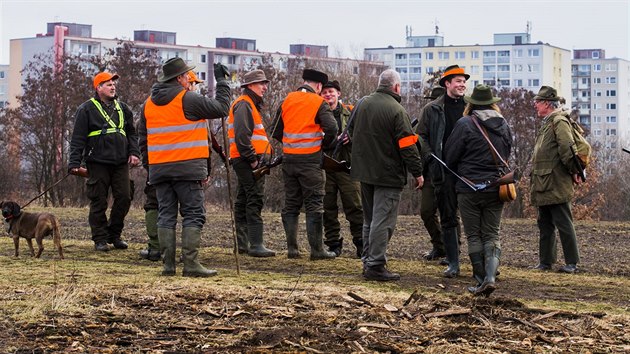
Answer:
(601, 94)
(511, 61)
(4, 85)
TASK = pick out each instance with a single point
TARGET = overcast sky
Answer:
(346, 26)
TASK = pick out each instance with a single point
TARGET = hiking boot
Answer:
(101, 246)
(119, 244)
(151, 255)
(434, 254)
(379, 273)
(569, 269)
(542, 267)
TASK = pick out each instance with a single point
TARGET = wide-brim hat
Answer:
(102, 77)
(547, 93)
(435, 92)
(314, 75)
(172, 68)
(332, 84)
(253, 77)
(481, 96)
(453, 70)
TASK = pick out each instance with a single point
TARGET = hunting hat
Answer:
(192, 78)
(334, 84)
(481, 96)
(102, 77)
(450, 71)
(314, 75)
(547, 93)
(172, 68)
(435, 92)
(253, 77)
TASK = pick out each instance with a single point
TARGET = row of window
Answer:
(597, 106)
(474, 54)
(609, 119)
(596, 93)
(609, 132)
(586, 68)
(596, 80)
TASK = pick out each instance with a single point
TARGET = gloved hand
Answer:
(221, 72)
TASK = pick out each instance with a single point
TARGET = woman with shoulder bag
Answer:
(477, 149)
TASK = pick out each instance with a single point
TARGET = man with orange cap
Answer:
(105, 137)
(305, 125)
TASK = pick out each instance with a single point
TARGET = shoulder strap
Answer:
(493, 150)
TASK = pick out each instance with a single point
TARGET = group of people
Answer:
(460, 142)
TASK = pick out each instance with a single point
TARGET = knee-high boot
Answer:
(191, 238)
(492, 257)
(290, 223)
(451, 246)
(314, 231)
(167, 238)
(479, 271)
(255, 237)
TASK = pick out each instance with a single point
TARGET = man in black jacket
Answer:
(436, 124)
(104, 135)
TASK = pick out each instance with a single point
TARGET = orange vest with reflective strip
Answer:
(170, 136)
(301, 134)
(259, 136)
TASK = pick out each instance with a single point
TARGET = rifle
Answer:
(331, 165)
(625, 150)
(218, 148)
(328, 162)
(579, 164)
(265, 167)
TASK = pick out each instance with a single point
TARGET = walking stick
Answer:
(229, 183)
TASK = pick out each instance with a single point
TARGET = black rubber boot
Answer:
(191, 238)
(314, 231)
(290, 223)
(451, 246)
(358, 243)
(255, 237)
(479, 271)
(167, 239)
(492, 257)
(242, 238)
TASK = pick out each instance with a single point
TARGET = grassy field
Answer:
(116, 302)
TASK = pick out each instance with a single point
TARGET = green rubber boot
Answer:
(191, 238)
(167, 238)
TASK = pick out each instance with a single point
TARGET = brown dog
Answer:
(29, 226)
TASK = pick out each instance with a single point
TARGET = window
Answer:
(533, 68)
(533, 82)
(611, 67)
(460, 55)
(503, 53)
(489, 54)
(597, 119)
(611, 119)
(203, 75)
(401, 56)
(518, 53)
(1, 74)
(231, 59)
(429, 69)
(429, 56)
(611, 106)
(611, 132)
(597, 80)
(597, 67)
(585, 80)
(533, 53)
(503, 68)
(518, 68)
(474, 54)
(203, 58)
(611, 93)
(611, 80)
(443, 55)
(597, 106)
(3, 104)
(585, 94)
(518, 83)
(597, 132)
(504, 82)
(597, 93)
(595, 55)
(414, 56)
(489, 68)
(474, 69)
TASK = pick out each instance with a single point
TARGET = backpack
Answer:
(582, 149)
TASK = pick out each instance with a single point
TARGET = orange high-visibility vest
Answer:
(170, 136)
(301, 134)
(259, 136)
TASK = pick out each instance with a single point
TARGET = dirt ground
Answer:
(115, 302)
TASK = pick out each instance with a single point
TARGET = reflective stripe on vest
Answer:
(301, 134)
(113, 128)
(170, 136)
(258, 138)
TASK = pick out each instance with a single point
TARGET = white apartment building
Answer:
(511, 61)
(601, 93)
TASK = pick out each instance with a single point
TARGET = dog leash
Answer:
(49, 188)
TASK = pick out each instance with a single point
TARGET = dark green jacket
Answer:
(552, 163)
(431, 128)
(342, 115)
(378, 126)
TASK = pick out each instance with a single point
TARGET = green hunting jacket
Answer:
(552, 163)
(379, 124)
